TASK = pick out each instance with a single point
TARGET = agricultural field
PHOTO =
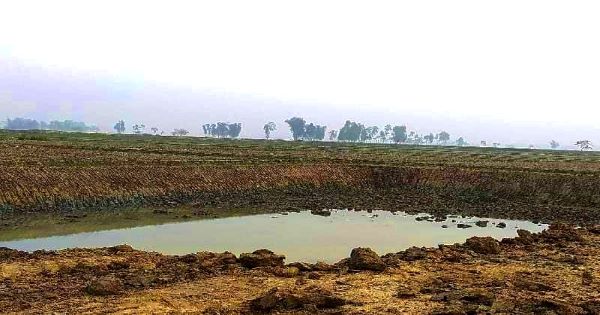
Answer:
(59, 185)
(66, 172)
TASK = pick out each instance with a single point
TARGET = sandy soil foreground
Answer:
(554, 272)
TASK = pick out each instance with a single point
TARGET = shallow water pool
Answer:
(301, 236)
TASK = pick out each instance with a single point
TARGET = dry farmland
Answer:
(90, 179)
(69, 172)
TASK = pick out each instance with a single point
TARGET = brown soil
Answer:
(554, 272)
(60, 172)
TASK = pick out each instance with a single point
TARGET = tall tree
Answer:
(370, 133)
(222, 129)
(138, 129)
(461, 142)
(429, 138)
(120, 126)
(234, 130)
(374, 132)
(411, 137)
(297, 127)
(352, 131)
(310, 132)
(443, 137)
(388, 131)
(320, 132)
(399, 134)
(333, 134)
(584, 144)
(268, 128)
(206, 129)
(414, 138)
(554, 144)
(382, 136)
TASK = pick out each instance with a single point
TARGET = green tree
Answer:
(399, 134)
(297, 127)
(418, 139)
(180, 132)
(370, 133)
(310, 132)
(268, 128)
(120, 126)
(461, 142)
(429, 138)
(554, 144)
(443, 137)
(388, 131)
(352, 131)
(206, 129)
(314, 132)
(584, 144)
(138, 129)
(234, 130)
(222, 130)
(382, 136)
(320, 132)
(333, 134)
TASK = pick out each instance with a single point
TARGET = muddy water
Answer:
(300, 236)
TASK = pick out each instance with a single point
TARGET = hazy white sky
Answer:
(524, 61)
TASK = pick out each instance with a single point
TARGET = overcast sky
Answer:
(506, 71)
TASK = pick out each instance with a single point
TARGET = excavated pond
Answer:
(301, 236)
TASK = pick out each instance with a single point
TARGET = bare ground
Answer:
(555, 272)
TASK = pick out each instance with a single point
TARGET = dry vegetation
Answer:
(49, 171)
(555, 272)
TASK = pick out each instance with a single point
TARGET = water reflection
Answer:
(300, 236)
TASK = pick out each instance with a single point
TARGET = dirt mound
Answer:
(120, 249)
(413, 254)
(261, 258)
(312, 299)
(8, 253)
(483, 245)
(365, 259)
(561, 233)
(105, 286)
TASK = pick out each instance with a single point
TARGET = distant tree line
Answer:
(357, 132)
(222, 130)
(180, 132)
(303, 131)
(32, 124)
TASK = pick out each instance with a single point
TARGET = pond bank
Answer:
(437, 201)
(554, 271)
